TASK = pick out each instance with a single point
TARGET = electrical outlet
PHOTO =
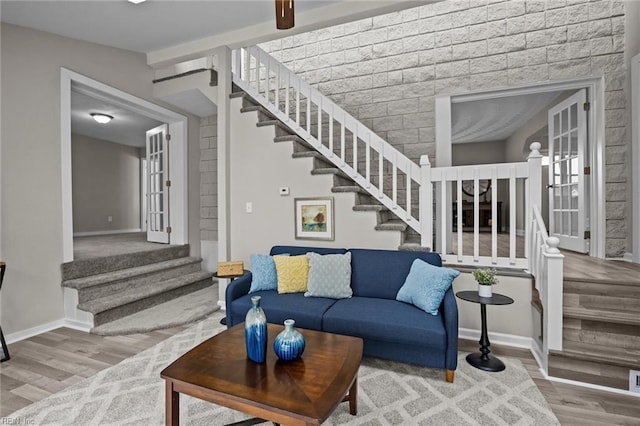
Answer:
(634, 381)
(109, 219)
(248, 208)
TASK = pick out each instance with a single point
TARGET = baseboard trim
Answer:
(628, 257)
(498, 338)
(114, 231)
(222, 304)
(590, 385)
(43, 328)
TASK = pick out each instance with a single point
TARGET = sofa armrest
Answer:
(449, 312)
(236, 288)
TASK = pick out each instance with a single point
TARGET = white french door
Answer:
(568, 185)
(158, 229)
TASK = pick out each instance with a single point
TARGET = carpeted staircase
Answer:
(363, 201)
(114, 287)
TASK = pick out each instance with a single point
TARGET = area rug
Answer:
(390, 393)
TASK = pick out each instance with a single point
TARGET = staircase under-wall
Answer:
(601, 322)
(117, 286)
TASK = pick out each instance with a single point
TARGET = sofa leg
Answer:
(449, 375)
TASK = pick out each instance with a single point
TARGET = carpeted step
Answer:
(105, 285)
(133, 300)
(85, 267)
(391, 225)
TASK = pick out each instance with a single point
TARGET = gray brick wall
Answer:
(387, 70)
(208, 179)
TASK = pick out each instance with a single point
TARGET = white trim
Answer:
(635, 152)
(43, 328)
(596, 156)
(497, 338)
(110, 232)
(589, 385)
(222, 303)
(628, 257)
(178, 124)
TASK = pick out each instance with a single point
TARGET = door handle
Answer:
(549, 186)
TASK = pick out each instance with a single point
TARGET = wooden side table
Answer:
(232, 277)
(483, 360)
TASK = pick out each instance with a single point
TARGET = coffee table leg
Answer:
(172, 404)
(353, 397)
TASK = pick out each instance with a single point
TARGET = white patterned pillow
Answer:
(329, 276)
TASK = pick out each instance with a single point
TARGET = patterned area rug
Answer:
(390, 393)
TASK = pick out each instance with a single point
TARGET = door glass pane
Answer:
(565, 146)
(557, 197)
(564, 166)
(556, 125)
(558, 222)
(574, 224)
(574, 170)
(565, 223)
(573, 113)
(565, 197)
(564, 122)
(574, 197)
(556, 149)
(573, 144)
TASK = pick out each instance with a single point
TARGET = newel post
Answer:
(533, 193)
(426, 203)
(553, 298)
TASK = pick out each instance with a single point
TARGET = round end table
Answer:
(231, 277)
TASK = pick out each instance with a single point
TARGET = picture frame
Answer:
(314, 218)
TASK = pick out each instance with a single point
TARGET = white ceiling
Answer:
(495, 119)
(126, 128)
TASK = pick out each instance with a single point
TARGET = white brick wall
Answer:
(381, 69)
(208, 179)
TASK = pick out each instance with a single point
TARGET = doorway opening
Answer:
(500, 125)
(73, 84)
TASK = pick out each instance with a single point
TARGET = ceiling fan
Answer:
(284, 14)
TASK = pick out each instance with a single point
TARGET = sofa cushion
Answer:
(384, 320)
(264, 275)
(293, 273)
(329, 275)
(298, 250)
(381, 273)
(426, 285)
(306, 311)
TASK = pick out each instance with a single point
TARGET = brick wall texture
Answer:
(387, 70)
(208, 179)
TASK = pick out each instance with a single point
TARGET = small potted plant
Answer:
(485, 277)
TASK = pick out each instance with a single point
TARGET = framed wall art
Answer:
(314, 218)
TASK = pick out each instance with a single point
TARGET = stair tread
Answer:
(598, 353)
(621, 317)
(349, 188)
(105, 303)
(369, 208)
(121, 274)
(392, 225)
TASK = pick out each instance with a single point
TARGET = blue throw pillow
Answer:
(264, 275)
(426, 285)
(329, 276)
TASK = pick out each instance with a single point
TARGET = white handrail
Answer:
(372, 158)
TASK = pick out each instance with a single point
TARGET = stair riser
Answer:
(596, 373)
(602, 333)
(87, 267)
(598, 289)
(137, 306)
(602, 302)
(111, 288)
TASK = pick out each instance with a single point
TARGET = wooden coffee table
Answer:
(301, 392)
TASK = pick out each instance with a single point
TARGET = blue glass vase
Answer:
(289, 344)
(255, 332)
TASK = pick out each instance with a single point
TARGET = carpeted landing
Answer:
(390, 393)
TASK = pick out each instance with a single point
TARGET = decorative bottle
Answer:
(255, 332)
(289, 344)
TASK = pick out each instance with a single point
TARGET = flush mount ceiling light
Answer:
(101, 118)
(284, 14)
(136, 1)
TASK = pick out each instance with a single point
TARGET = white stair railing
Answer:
(546, 263)
(374, 164)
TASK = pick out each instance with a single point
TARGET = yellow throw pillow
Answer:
(293, 272)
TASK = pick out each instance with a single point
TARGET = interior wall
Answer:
(106, 183)
(31, 172)
(256, 177)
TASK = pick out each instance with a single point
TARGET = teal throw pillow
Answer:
(426, 285)
(264, 275)
(329, 276)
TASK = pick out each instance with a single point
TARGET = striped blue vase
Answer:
(289, 344)
(255, 332)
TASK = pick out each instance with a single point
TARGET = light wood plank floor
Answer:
(48, 363)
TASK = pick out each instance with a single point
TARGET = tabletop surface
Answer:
(495, 299)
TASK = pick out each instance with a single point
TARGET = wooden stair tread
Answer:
(623, 357)
(620, 317)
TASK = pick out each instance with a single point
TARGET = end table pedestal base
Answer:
(485, 362)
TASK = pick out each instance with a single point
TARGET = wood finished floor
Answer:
(48, 363)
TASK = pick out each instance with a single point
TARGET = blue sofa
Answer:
(390, 329)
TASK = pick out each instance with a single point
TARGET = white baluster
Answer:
(380, 172)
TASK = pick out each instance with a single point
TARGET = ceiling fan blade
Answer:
(284, 14)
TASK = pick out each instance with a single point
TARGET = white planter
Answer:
(484, 290)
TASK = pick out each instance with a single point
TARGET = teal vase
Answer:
(255, 332)
(289, 344)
